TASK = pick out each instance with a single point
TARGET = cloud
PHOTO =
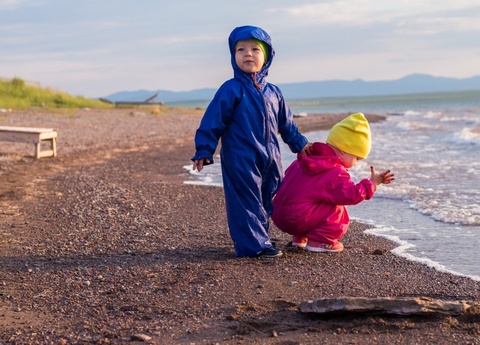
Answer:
(8, 5)
(93, 47)
(360, 13)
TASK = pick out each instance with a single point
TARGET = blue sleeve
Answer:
(214, 121)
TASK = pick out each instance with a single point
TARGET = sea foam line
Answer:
(401, 251)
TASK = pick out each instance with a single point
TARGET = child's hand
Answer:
(306, 149)
(198, 164)
(385, 177)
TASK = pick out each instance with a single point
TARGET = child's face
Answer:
(249, 56)
(349, 160)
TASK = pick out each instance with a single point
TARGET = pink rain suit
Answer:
(311, 201)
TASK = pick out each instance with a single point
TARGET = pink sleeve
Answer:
(343, 191)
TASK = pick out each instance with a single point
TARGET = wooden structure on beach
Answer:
(36, 136)
(148, 101)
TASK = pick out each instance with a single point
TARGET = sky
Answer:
(94, 48)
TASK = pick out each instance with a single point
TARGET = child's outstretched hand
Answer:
(198, 164)
(385, 177)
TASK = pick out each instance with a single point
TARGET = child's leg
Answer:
(325, 238)
(247, 218)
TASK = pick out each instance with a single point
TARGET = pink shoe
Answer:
(315, 246)
(299, 241)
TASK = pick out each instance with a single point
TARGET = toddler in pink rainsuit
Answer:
(310, 204)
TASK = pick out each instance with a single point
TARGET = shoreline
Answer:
(106, 241)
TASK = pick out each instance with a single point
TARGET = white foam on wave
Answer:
(412, 125)
(411, 113)
(420, 238)
(403, 246)
(434, 115)
(440, 208)
(467, 135)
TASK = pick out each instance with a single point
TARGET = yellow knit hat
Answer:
(352, 135)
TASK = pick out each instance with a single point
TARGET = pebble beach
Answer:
(106, 244)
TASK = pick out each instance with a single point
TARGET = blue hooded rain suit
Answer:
(247, 113)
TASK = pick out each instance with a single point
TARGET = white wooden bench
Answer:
(32, 135)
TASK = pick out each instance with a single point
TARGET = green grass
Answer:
(15, 94)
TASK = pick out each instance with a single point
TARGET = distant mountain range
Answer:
(411, 84)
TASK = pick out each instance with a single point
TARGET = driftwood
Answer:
(384, 305)
(148, 101)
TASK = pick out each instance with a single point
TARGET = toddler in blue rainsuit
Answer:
(247, 113)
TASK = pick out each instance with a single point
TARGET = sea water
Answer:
(432, 144)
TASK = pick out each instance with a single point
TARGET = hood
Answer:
(245, 33)
(322, 158)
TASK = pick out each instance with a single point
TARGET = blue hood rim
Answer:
(245, 33)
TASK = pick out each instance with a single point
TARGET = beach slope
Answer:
(105, 244)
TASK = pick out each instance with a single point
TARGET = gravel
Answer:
(105, 244)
